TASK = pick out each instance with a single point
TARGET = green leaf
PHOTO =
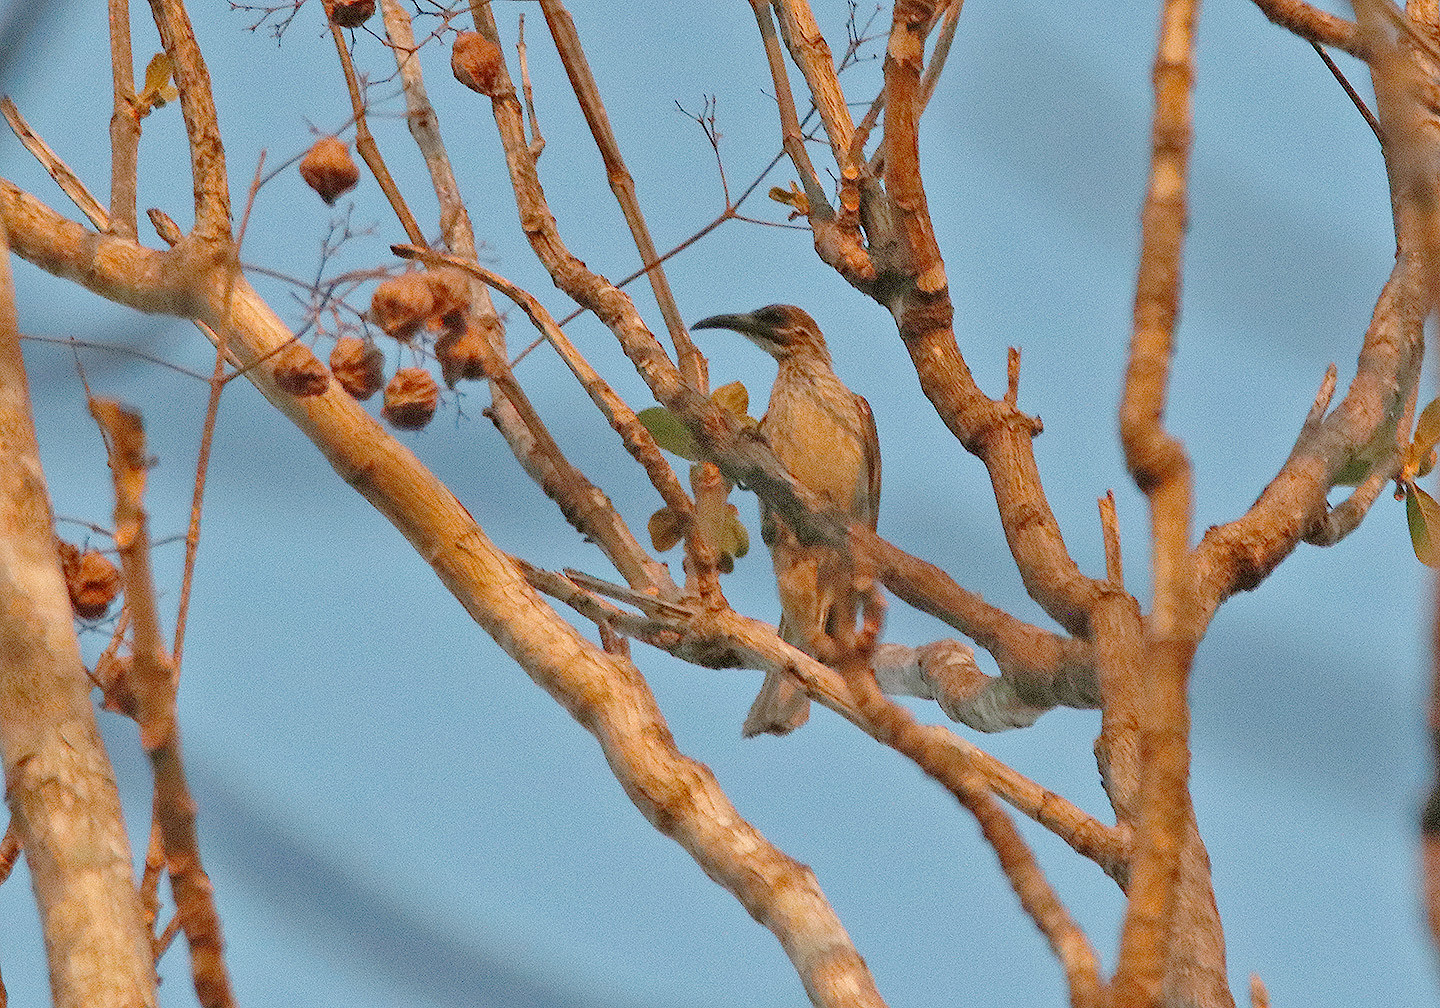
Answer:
(1423, 514)
(669, 433)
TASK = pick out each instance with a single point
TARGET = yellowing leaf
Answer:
(669, 433)
(732, 397)
(1423, 467)
(736, 537)
(792, 197)
(1423, 514)
(665, 529)
(1427, 429)
(157, 74)
(158, 89)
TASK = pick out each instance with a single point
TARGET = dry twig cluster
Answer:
(873, 227)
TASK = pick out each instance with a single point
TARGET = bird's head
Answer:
(782, 331)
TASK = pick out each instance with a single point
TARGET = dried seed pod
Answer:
(329, 169)
(93, 582)
(478, 63)
(410, 399)
(461, 352)
(451, 290)
(358, 366)
(349, 13)
(299, 372)
(401, 305)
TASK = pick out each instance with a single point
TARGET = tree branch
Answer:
(1314, 24)
(153, 682)
(58, 781)
(1161, 469)
(124, 125)
(582, 503)
(582, 82)
(207, 153)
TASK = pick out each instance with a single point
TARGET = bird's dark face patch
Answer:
(778, 329)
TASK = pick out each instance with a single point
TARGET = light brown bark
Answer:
(58, 780)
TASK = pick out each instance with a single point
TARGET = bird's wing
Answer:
(871, 473)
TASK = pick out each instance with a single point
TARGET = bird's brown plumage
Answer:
(824, 434)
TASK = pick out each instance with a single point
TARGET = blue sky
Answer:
(393, 814)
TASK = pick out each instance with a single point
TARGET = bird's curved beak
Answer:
(746, 325)
(739, 323)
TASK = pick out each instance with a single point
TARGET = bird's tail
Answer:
(782, 705)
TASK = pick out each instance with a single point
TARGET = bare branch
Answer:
(368, 150)
(582, 82)
(1350, 92)
(64, 177)
(537, 141)
(58, 781)
(1313, 24)
(1110, 533)
(582, 503)
(124, 125)
(621, 417)
(197, 104)
(153, 681)
(811, 53)
(1161, 469)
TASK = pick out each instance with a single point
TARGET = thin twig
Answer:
(1110, 533)
(369, 151)
(1350, 92)
(124, 125)
(537, 142)
(943, 41)
(197, 497)
(63, 175)
(117, 348)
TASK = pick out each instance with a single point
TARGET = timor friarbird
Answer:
(824, 434)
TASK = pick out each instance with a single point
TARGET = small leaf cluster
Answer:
(721, 527)
(1421, 510)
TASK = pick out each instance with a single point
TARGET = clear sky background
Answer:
(393, 814)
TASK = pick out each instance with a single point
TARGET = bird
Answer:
(824, 434)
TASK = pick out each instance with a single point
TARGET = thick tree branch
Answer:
(606, 695)
(58, 782)
(582, 503)
(1158, 462)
